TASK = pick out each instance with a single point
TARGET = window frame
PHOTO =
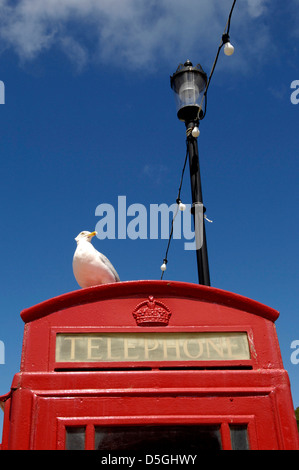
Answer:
(91, 422)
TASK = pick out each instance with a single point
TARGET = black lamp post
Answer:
(189, 84)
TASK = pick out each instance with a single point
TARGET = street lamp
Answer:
(189, 85)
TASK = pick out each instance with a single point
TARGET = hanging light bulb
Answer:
(195, 131)
(163, 267)
(228, 47)
(182, 206)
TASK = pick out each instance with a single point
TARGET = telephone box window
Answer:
(158, 438)
(75, 438)
(239, 437)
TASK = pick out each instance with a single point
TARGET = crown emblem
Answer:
(151, 312)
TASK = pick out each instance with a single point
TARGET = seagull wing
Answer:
(109, 265)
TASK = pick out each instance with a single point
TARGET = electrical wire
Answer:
(178, 200)
(230, 16)
(224, 35)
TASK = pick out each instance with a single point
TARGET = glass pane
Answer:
(144, 347)
(75, 438)
(239, 437)
(159, 439)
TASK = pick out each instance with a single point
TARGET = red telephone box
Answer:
(150, 365)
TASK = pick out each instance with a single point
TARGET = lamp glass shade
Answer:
(188, 84)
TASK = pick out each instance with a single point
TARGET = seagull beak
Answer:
(92, 234)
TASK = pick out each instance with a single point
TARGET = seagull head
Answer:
(85, 235)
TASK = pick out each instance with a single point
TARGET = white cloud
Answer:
(257, 7)
(140, 33)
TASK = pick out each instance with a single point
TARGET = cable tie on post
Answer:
(189, 131)
(208, 220)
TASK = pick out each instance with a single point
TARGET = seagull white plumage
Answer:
(90, 267)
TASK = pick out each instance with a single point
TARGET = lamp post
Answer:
(189, 84)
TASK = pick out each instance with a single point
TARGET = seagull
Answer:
(90, 267)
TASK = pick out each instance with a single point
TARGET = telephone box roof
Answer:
(172, 289)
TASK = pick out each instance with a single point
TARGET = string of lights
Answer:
(181, 207)
(228, 51)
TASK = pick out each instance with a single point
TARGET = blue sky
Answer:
(89, 115)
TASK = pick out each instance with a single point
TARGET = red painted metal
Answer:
(47, 396)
